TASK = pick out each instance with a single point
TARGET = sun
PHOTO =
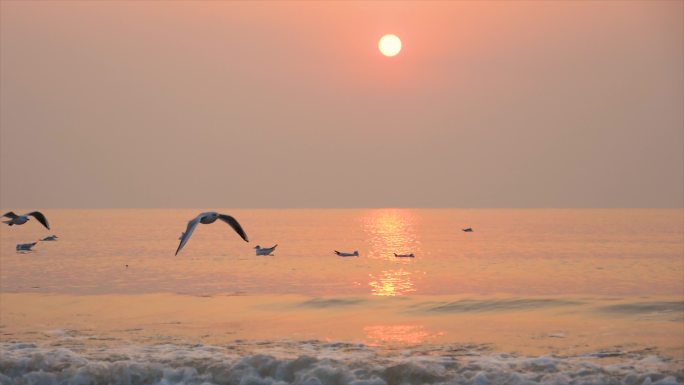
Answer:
(389, 45)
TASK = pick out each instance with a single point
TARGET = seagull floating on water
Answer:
(404, 255)
(343, 254)
(208, 218)
(265, 250)
(468, 230)
(15, 219)
(25, 246)
(50, 238)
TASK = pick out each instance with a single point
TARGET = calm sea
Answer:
(520, 252)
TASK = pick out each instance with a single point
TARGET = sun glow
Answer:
(389, 45)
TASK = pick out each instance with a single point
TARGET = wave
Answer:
(331, 302)
(516, 304)
(645, 307)
(318, 363)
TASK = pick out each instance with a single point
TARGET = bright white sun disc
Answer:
(389, 45)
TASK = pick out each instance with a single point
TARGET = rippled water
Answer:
(525, 252)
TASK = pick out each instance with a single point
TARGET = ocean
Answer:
(531, 296)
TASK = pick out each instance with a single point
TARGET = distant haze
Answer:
(290, 104)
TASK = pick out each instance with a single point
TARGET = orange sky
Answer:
(290, 104)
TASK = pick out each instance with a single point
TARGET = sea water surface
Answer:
(531, 296)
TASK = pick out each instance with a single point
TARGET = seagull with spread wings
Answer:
(208, 218)
(15, 219)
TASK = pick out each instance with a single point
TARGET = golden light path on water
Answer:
(391, 283)
(403, 334)
(391, 231)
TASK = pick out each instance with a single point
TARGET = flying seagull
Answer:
(404, 255)
(21, 219)
(25, 246)
(343, 254)
(50, 238)
(468, 230)
(265, 250)
(207, 218)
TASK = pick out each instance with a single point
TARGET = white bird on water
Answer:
(207, 218)
(404, 255)
(25, 246)
(343, 254)
(15, 219)
(265, 250)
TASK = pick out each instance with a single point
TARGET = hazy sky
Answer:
(229, 104)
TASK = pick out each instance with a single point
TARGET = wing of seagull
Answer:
(235, 225)
(188, 232)
(10, 214)
(40, 217)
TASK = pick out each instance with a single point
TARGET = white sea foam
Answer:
(317, 363)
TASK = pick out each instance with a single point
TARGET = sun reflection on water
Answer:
(403, 334)
(391, 231)
(391, 283)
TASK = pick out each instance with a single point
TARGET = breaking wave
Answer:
(318, 363)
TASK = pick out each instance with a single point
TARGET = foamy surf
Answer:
(315, 362)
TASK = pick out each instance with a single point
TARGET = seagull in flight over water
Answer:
(208, 218)
(15, 219)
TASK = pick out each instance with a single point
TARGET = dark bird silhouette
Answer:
(265, 250)
(208, 218)
(404, 255)
(25, 246)
(343, 254)
(15, 219)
